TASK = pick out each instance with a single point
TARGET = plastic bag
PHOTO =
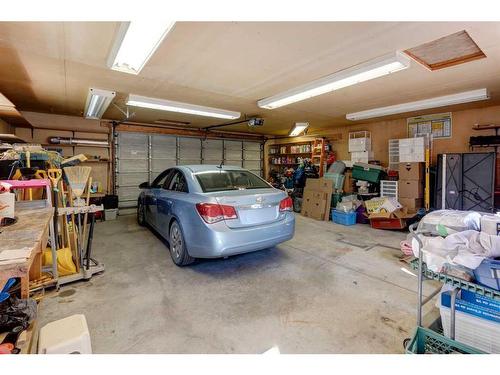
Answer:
(445, 222)
(17, 312)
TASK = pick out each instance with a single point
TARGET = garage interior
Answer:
(384, 136)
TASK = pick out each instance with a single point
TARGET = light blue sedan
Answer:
(209, 211)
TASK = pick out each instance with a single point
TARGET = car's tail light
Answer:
(212, 212)
(286, 204)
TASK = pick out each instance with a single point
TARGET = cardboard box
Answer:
(316, 199)
(319, 184)
(314, 208)
(411, 171)
(412, 204)
(410, 189)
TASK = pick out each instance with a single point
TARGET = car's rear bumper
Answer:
(218, 240)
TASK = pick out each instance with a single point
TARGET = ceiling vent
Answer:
(454, 49)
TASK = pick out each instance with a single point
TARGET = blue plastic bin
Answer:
(488, 273)
(344, 218)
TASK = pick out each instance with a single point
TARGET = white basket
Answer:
(388, 188)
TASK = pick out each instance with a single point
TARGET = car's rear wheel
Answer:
(178, 250)
(141, 214)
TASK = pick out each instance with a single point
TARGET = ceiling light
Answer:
(97, 102)
(441, 101)
(347, 77)
(298, 128)
(135, 43)
(172, 106)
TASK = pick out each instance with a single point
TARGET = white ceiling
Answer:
(50, 66)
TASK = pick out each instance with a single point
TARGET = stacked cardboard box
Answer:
(411, 185)
(317, 198)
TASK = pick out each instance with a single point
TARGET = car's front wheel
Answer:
(141, 214)
(178, 250)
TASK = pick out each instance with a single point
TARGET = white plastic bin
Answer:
(65, 336)
(110, 214)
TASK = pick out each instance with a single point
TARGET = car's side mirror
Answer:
(144, 185)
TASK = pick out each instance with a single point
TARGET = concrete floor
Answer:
(332, 289)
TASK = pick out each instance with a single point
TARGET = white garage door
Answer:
(140, 157)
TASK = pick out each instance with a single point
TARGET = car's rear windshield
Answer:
(222, 180)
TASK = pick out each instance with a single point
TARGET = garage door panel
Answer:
(252, 164)
(212, 162)
(131, 179)
(133, 165)
(190, 162)
(163, 147)
(235, 163)
(213, 144)
(130, 193)
(233, 155)
(132, 146)
(190, 149)
(137, 152)
(251, 155)
(212, 154)
(233, 145)
(251, 146)
(159, 165)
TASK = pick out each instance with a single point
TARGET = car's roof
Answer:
(209, 167)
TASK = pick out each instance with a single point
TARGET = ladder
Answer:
(318, 155)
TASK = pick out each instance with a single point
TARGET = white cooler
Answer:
(65, 336)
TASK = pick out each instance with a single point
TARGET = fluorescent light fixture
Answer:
(363, 72)
(298, 128)
(441, 101)
(135, 43)
(97, 102)
(172, 106)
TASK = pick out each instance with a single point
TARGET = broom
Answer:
(77, 178)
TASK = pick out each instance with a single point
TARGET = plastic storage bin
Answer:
(110, 214)
(344, 218)
(338, 180)
(488, 273)
(65, 336)
(367, 172)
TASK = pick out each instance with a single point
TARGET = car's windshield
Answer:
(211, 181)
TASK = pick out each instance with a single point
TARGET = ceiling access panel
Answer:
(453, 177)
(478, 190)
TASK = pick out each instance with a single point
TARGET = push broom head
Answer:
(77, 178)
